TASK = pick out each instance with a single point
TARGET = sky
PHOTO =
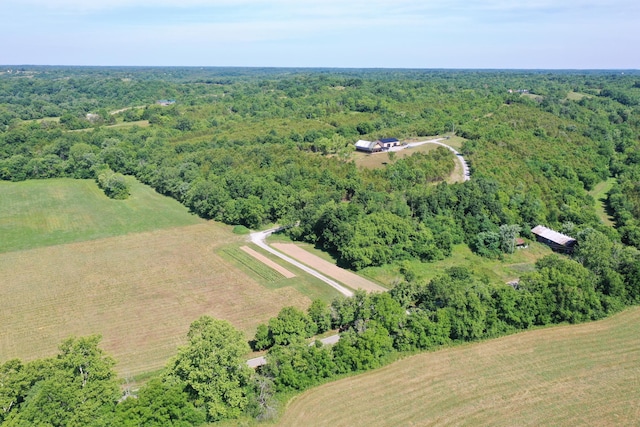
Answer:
(516, 34)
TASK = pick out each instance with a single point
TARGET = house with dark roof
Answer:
(368, 146)
(389, 142)
(556, 241)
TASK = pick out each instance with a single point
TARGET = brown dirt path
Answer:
(348, 278)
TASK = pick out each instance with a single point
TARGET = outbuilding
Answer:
(556, 241)
(368, 146)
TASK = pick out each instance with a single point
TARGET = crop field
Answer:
(586, 374)
(140, 291)
(48, 212)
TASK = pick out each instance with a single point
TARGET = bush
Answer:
(113, 184)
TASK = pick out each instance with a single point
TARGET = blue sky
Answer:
(323, 33)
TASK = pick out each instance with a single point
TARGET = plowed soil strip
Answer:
(266, 261)
(348, 278)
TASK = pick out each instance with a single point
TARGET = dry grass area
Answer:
(266, 261)
(381, 159)
(325, 267)
(139, 291)
(585, 374)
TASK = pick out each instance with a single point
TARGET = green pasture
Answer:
(48, 212)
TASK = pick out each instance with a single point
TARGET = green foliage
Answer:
(241, 229)
(564, 291)
(290, 325)
(320, 314)
(161, 402)
(77, 388)
(114, 185)
(212, 368)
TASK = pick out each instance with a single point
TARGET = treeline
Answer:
(262, 147)
(208, 380)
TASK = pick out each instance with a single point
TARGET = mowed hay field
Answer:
(136, 271)
(586, 374)
(39, 213)
(139, 291)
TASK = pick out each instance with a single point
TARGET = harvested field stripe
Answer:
(348, 278)
(250, 263)
(263, 259)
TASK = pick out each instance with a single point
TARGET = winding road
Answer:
(259, 238)
(465, 167)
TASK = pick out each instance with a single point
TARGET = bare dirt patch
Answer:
(348, 278)
(139, 291)
(266, 261)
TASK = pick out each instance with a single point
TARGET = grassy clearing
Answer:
(380, 160)
(599, 193)
(510, 268)
(139, 291)
(577, 96)
(54, 211)
(139, 123)
(585, 374)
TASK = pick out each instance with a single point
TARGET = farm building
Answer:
(389, 142)
(165, 102)
(368, 146)
(557, 241)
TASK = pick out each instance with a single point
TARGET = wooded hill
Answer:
(255, 147)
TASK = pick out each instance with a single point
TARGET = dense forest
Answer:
(262, 146)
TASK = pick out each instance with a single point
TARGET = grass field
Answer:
(599, 193)
(138, 272)
(139, 291)
(585, 374)
(510, 268)
(49, 212)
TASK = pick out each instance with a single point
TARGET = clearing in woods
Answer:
(139, 291)
(586, 374)
(599, 194)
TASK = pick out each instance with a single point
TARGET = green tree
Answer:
(320, 314)
(79, 388)
(508, 234)
(291, 323)
(213, 368)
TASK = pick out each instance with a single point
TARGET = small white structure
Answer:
(389, 142)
